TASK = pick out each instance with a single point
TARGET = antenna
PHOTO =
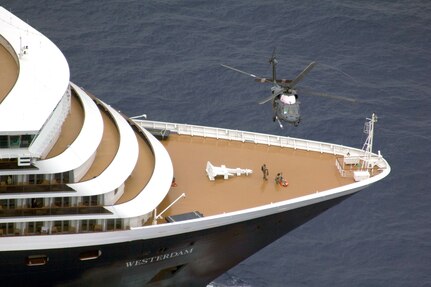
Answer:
(368, 145)
(22, 49)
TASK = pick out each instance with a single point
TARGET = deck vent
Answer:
(184, 216)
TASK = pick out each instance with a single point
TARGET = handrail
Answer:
(258, 138)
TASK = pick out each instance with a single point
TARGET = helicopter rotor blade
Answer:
(266, 100)
(283, 81)
(272, 56)
(263, 80)
(239, 71)
(326, 95)
(301, 75)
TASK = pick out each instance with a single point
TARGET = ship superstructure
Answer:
(87, 190)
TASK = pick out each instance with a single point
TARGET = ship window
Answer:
(39, 178)
(14, 141)
(86, 200)
(36, 260)
(6, 229)
(113, 224)
(84, 225)
(57, 202)
(60, 226)
(30, 228)
(61, 202)
(58, 178)
(7, 203)
(34, 227)
(63, 177)
(167, 273)
(26, 140)
(12, 203)
(66, 176)
(66, 201)
(90, 255)
(88, 225)
(90, 200)
(4, 141)
(36, 203)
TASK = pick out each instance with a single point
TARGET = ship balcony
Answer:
(14, 164)
(52, 211)
(30, 188)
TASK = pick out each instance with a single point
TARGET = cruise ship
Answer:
(91, 197)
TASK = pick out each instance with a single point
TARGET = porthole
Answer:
(36, 260)
(90, 255)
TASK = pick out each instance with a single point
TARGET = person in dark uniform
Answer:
(265, 172)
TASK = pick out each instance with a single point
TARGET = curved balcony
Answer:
(80, 153)
(149, 196)
(117, 172)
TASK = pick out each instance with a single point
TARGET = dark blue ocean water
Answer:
(163, 58)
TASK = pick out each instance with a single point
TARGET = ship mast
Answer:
(368, 145)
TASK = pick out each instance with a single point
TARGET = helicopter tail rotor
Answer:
(273, 61)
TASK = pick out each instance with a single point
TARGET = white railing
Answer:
(243, 136)
(52, 128)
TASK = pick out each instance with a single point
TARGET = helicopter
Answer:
(284, 97)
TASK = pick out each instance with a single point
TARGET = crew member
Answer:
(265, 172)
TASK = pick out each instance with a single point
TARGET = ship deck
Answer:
(306, 172)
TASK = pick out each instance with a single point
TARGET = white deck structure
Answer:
(41, 62)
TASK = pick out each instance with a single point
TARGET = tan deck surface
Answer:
(306, 172)
(107, 148)
(8, 72)
(70, 129)
(141, 174)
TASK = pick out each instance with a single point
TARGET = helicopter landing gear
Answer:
(279, 123)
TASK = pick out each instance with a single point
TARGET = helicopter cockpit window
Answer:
(291, 110)
(288, 99)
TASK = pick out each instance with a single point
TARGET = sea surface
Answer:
(163, 58)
